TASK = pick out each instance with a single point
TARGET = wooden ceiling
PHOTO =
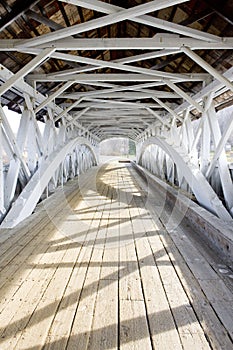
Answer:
(29, 19)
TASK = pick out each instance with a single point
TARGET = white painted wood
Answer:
(134, 58)
(78, 115)
(5, 74)
(98, 77)
(31, 146)
(224, 173)
(32, 192)
(158, 42)
(26, 69)
(2, 206)
(147, 20)
(167, 108)
(196, 58)
(14, 166)
(100, 22)
(13, 142)
(68, 109)
(220, 147)
(205, 145)
(53, 96)
(214, 87)
(196, 180)
(184, 95)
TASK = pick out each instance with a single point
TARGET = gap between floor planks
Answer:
(122, 282)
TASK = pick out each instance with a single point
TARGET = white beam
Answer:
(117, 103)
(98, 77)
(184, 95)
(38, 182)
(128, 95)
(36, 61)
(146, 20)
(215, 86)
(77, 116)
(200, 186)
(160, 42)
(2, 207)
(68, 109)
(134, 58)
(53, 96)
(13, 142)
(220, 148)
(127, 68)
(224, 172)
(207, 67)
(100, 22)
(116, 77)
(167, 108)
(116, 109)
(14, 166)
(157, 116)
(23, 87)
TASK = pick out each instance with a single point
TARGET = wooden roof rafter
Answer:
(96, 41)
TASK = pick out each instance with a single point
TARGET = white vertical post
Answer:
(205, 145)
(2, 208)
(219, 149)
(13, 172)
(13, 142)
(31, 145)
(222, 161)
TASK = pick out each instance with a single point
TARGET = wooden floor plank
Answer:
(62, 323)
(211, 325)
(80, 332)
(20, 309)
(103, 271)
(134, 330)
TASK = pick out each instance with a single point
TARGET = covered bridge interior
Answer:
(117, 255)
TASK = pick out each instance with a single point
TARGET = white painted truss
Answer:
(182, 156)
(32, 165)
(36, 164)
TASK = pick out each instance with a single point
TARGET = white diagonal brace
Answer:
(100, 22)
(98, 77)
(215, 87)
(219, 148)
(184, 95)
(145, 19)
(135, 58)
(54, 95)
(171, 111)
(23, 87)
(2, 207)
(224, 172)
(73, 105)
(14, 143)
(77, 116)
(127, 68)
(118, 88)
(207, 67)
(118, 103)
(157, 116)
(36, 61)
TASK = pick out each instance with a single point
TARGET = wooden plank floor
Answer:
(96, 268)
